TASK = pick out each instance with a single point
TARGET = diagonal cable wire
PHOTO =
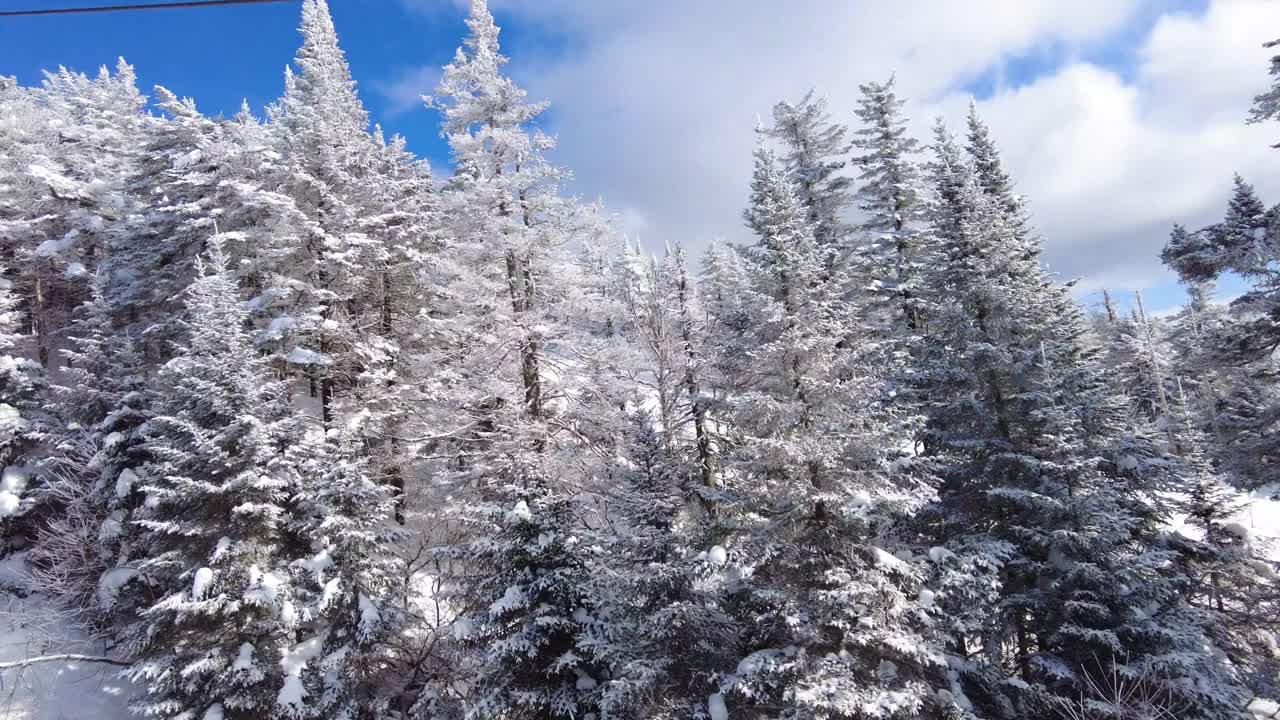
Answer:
(119, 8)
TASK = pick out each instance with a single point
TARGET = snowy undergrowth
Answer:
(1258, 517)
(53, 690)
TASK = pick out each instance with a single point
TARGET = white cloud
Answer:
(656, 103)
(405, 90)
(1109, 165)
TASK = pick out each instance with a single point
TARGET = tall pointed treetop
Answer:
(323, 84)
(986, 158)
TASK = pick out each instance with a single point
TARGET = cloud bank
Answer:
(1116, 117)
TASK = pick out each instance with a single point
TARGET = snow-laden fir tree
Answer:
(87, 551)
(348, 593)
(836, 621)
(327, 170)
(22, 424)
(658, 621)
(1244, 243)
(1043, 474)
(521, 571)
(1266, 105)
(69, 188)
(888, 257)
(1230, 581)
(524, 579)
(221, 625)
(1138, 364)
(408, 300)
(815, 150)
(200, 177)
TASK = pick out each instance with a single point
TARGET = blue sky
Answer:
(1117, 117)
(220, 56)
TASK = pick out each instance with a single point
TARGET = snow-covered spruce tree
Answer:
(815, 150)
(1266, 106)
(836, 624)
(22, 425)
(328, 172)
(1138, 364)
(199, 177)
(408, 300)
(77, 159)
(1229, 579)
(1247, 243)
(348, 592)
(521, 571)
(657, 620)
(220, 618)
(87, 551)
(524, 579)
(1042, 473)
(889, 257)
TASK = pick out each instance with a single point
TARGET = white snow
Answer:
(55, 691)
(462, 628)
(264, 588)
(184, 161)
(213, 713)
(322, 561)
(369, 615)
(293, 664)
(201, 583)
(511, 599)
(1264, 709)
(75, 270)
(303, 356)
(520, 512)
(926, 598)
(244, 660)
(125, 482)
(716, 708)
(14, 480)
(10, 421)
(940, 554)
(220, 548)
(8, 504)
(861, 499)
(717, 555)
(886, 559)
(56, 181)
(111, 527)
(110, 582)
(329, 592)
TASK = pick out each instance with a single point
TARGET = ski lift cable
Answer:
(122, 8)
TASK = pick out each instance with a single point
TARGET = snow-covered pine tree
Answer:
(658, 621)
(889, 258)
(1229, 578)
(836, 624)
(22, 425)
(87, 551)
(1042, 473)
(815, 156)
(200, 177)
(525, 581)
(77, 158)
(221, 623)
(1244, 243)
(1138, 364)
(350, 591)
(327, 170)
(408, 301)
(1266, 106)
(522, 569)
